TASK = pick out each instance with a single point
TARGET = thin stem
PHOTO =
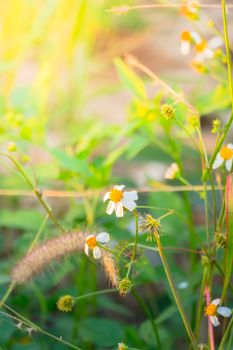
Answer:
(100, 292)
(210, 326)
(200, 303)
(174, 292)
(29, 323)
(6, 295)
(135, 245)
(149, 315)
(229, 66)
(36, 191)
(41, 228)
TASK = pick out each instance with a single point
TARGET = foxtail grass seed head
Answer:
(122, 346)
(110, 269)
(11, 147)
(65, 303)
(167, 111)
(42, 256)
(125, 286)
(220, 240)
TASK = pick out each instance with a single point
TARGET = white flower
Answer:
(212, 310)
(171, 171)
(92, 243)
(225, 154)
(119, 200)
(206, 50)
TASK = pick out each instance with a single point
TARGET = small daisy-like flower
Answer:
(186, 40)
(225, 155)
(118, 199)
(207, 50)
(65, 303)
(172, 172)
(92, 244)
(212, 310)
(190, 9)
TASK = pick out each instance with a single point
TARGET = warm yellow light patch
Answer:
(201, 46)
(226, 153)
(91, 242)
(211, 310)
(116, 195)
(186, 36)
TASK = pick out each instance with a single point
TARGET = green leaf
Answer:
(102, 332)
(70, 163)
(137, 144)
(130, 80)
(21, 219)
(229, 234)
(215, 100)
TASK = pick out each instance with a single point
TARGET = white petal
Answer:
(185, 47)
(230, 145)
(132, 195)
(218, 161)
(119, 210)
(229, 164)
(224, 311)
(119, 188)
(215, 301)
(208, 53)
(128, 204)
(215, 42)
(196, 37)
(96, 253)
(214, 320)
(110, 207)
(86, 249)
(102, 237)
(106, 196)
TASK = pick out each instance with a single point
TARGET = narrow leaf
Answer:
(229, 233)
(130, 80)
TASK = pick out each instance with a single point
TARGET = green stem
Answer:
(226, 335)
(135, 245)
(36, 191)
(149, 315)
(35, 240)
(100, 292)
(229, 64)
(36, 328)
(174, 292)
(200, 304)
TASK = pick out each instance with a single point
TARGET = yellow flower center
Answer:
(185, 36)
(116, 195)
(211, 310)
(91, 242)
(201, 46)
(226, 153)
